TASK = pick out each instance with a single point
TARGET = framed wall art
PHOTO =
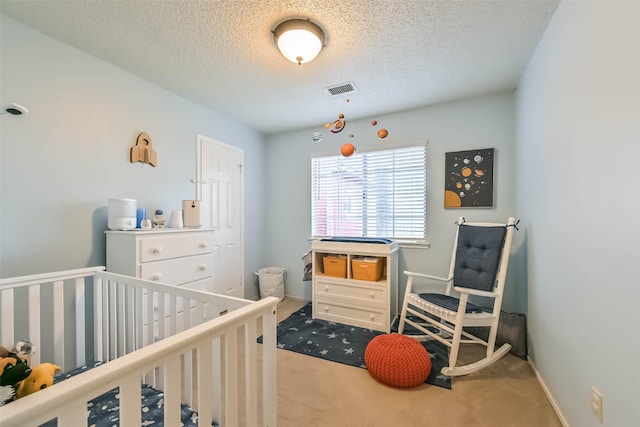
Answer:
(469, 179)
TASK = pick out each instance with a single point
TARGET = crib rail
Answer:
(28, 302)
(176, 339)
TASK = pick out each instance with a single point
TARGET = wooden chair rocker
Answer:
(478, 268)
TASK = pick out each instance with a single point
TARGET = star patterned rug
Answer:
(345, 344)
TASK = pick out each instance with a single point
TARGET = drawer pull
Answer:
(372, 295)
(156, 277)
(326, 289)
(326, 309)
(371, 316)
(202, 267)
(204, 245)
(157, 250)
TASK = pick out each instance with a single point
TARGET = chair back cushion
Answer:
(478, 256)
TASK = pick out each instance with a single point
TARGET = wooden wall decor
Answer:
(143, 151)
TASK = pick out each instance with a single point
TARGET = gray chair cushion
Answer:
(478, 256)
(449, 302)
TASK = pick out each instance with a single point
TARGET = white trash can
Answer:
(271, 282)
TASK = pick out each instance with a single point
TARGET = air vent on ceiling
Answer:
(341, 89)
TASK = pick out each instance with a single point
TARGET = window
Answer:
(372, 194)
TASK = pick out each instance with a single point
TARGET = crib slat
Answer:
(187, 378)
(98, 318)
(130, 403)
(80, 322)
(172, 393)
(161, 315)
(130, 318)
(7, 324)
(187, 386)
(75, 415)
(173, 314)
(161, 330)
(58, 322)
(197, 313)
(251, 372)
(106, 325)
(139, 318)
(269, 385)
(231, 378)
(216, 392)
(205, 376)
(150, 377)
(122, 322)
(113, 326)
(187, 391)
(34, 323)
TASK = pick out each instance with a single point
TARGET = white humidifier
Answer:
(122, 214)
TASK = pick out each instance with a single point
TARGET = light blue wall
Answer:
(484, 122)
(578, 133)
(62, 161)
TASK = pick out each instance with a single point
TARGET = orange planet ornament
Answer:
(347, 149)
(383, 133)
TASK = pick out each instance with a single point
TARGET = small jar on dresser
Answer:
(176, 256)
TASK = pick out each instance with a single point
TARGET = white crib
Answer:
(206, 357)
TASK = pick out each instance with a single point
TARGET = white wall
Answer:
(578, 132)
(62, 161)
(483, 122)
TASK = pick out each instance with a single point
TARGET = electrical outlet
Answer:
(596, 403)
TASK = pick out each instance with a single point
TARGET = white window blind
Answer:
(371, 194)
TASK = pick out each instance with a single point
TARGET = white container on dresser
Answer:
(339, 296)
(177, 256)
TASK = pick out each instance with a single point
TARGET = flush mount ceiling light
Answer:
(299, 39)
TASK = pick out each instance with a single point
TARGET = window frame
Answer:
(415, 226)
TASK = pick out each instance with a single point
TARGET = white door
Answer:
(220, 189)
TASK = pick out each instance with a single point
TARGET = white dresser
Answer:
(177, 256)
(342, 297)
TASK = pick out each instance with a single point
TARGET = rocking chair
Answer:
(478, 268)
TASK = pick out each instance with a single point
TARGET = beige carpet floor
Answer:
(315, 392)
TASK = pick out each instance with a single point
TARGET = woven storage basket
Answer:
(397, 360)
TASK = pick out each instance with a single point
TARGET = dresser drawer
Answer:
(178, 271)
(357, 316)
(153, 248)
(370, 296)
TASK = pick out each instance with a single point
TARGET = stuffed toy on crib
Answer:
(41, 377)
(13, 370)
(17, 378)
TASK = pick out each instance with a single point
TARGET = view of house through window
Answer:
(371, 194)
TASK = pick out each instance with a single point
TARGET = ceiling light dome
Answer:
(299, 40)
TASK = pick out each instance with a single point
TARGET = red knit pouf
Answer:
(397, 360)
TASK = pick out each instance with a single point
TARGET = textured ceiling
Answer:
(400, 54)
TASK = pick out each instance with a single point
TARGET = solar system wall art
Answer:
(469, 179)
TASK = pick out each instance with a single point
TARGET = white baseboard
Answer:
(555, 406)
